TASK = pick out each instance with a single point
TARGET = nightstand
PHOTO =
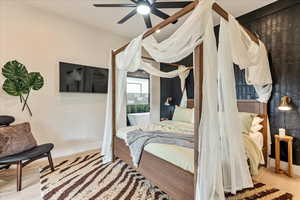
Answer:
(289, 140)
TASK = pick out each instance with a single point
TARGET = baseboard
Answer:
(284, 166)
(74, 147)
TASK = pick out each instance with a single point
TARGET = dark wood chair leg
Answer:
(19, 176)
(50, 162)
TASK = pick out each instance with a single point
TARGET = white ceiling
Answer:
(106, 18)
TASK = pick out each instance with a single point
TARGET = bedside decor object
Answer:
(19, 82)
(168, 101)
(285, 104)
(281, 132)
(163, 119)
(6, 120)
(289, 140)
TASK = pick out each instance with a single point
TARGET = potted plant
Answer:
(19, 82)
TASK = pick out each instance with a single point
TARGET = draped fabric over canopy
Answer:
(183, 77)
(251, 57)
(222, 162)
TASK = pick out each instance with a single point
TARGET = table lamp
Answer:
(285, 104)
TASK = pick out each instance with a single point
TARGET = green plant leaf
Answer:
(35, 80)
(14, 70)
(19, 81)
(13, 88)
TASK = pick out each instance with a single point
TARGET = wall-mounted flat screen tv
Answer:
(80, 78)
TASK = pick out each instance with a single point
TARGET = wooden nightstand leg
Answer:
(290, 157)
(277, 155)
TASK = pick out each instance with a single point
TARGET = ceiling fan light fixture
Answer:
(157, 31)
(143, 9)
(147, 8)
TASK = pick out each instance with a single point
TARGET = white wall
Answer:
(73, 122)
(154, 90)
(155, 96)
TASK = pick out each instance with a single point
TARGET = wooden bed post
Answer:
(265, 134)
(113, 88)
(198, 87)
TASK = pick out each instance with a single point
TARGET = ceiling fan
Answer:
(145, 8)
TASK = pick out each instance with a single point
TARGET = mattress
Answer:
(181, 156)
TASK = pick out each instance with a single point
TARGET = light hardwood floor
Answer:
(30, 181)
(31, 186)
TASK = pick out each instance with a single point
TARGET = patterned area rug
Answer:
(86, 178)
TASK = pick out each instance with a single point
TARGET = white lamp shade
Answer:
(285, 104)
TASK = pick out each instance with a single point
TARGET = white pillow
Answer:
(257, 120)
(246, 121)
(256, 128)
(182, 114)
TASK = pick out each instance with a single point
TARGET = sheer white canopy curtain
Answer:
(222, 165)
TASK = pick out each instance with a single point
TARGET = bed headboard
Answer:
(251, 106)
(259, 108)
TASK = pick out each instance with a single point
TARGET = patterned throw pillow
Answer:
(3, 142)
(16, 139)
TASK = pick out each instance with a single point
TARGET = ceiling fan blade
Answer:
(174, 4)
(131, 14)
(134, 1)
(115, 5)
(161, 14)
(151, 1)
(147, 20)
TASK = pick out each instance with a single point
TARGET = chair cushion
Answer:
(29, 154)
(6, 120)
(15, 139)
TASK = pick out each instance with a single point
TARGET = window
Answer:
(137, 91)
(138, 98)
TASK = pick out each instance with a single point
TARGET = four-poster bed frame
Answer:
(175, 181)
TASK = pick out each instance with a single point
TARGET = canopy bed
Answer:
(220, 163)
(158, 161)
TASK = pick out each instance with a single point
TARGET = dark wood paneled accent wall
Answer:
(171, 88)
(278, 26)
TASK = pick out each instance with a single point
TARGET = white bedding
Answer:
(179, 156)
(139, 119)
